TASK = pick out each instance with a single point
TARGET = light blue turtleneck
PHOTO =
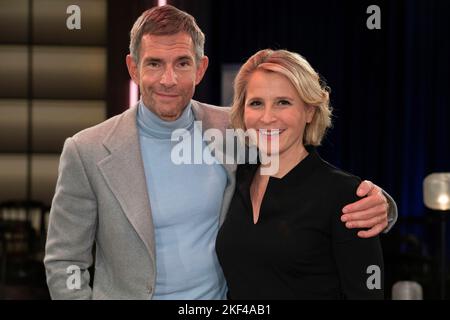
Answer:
(185, 201)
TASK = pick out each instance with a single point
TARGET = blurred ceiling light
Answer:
(436, 191)
(134, 93)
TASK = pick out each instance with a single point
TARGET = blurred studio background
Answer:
(390, 94)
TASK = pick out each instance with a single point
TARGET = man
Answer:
(153, 222)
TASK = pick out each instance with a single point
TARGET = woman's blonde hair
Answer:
(311, 89)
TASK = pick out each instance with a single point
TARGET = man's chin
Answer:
(167, 110)
(171, 113)
(169, 117)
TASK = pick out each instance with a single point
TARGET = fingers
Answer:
(370, 212)
(376, 197)
(378, 210)
(374, 220)
(374, 231)
(368, 223)
(364, 188)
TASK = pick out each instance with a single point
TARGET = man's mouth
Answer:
(166, 95)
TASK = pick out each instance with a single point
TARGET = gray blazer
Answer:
(101, 197)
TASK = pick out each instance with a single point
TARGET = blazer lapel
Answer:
(123, 171)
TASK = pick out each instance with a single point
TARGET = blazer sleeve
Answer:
(392, 214)
(71, 231)
(359, 261)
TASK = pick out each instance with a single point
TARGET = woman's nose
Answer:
(268, 115)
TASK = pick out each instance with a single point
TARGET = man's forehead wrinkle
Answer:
(167, 41)
(161, 47)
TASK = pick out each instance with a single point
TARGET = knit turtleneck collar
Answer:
(152, 126)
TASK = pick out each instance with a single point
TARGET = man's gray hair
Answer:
(166, 20)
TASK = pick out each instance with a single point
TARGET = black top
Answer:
(299, 248)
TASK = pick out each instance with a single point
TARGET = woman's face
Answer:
(274, 109)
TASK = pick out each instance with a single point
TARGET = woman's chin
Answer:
(268, 152)
(269, 148)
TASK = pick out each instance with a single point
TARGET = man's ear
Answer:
(133, 69)
(201, 69)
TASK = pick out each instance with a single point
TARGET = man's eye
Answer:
(184, 64)
(153, 64)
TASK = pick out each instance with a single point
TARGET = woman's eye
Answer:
(284, 102)
(254, 103)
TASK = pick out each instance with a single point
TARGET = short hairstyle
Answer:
(310, 87)
(166, 20)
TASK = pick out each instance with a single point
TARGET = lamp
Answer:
(436, 196)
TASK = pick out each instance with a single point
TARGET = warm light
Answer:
(436, 191)
(443, 199)
(162, 2)
(436, 194)
(134, 93)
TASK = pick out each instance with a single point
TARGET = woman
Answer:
(283, 237)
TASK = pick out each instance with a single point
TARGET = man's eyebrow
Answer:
(186, 57)
(152, 59)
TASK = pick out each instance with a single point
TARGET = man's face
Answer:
(167, 73)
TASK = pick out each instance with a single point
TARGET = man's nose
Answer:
(169, 77)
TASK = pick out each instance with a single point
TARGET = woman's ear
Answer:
(310, 111)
